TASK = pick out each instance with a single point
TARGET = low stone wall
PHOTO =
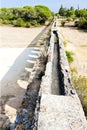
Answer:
(64, 71)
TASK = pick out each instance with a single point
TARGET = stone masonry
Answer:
(59, 112)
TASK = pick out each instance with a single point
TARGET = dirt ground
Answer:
(17, 37)
(76, 43)
(16, 62)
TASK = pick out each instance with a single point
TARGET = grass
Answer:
(69, 56)
(80, 84)
(65, 43)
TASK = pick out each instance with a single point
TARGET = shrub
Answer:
(1, 21)
(6, 22)
(14, 22)
(68, 19)
(76, 23)
(63, 22)
(82, 23)
(58, 15)
(74, 18)
(28, 25)
(19, 23)
(69, 56)
(34, 22)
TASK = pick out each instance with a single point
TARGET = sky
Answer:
(54, 5)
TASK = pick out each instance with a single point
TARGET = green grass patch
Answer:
(69, 56)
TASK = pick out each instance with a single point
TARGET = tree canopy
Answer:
(66, 12)
(71, 13)
(25, 16)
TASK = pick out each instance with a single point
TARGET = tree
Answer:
(43, 13)
(70, 12)
(25, 16)
(71, 8)
(62, 11)
(81, 13)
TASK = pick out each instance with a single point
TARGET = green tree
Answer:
(82, 16)
(81, 13)
(62, 11)
(43, 13)
(70, 13)
(25, 16)
(29, 13)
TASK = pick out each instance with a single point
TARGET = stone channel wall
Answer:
(64, 66)
(59, 112)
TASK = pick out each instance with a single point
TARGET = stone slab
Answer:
(61, 113)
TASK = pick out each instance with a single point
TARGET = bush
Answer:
(69, 57)
(74, 18)
(76, 23)
(68, 19)
(28, 25)
(81, 24)
(63, 22)
(34, 22)
(6, 22)
(19, 23)
(1, 21)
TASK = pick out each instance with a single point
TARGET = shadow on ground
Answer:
(14, 83)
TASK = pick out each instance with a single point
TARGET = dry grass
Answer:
(80, 84)
(65, 43)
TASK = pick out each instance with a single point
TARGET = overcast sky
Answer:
(54, 5)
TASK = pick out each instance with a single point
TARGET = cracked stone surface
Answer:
(61, 113)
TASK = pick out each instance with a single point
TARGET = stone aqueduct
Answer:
(50, 101)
